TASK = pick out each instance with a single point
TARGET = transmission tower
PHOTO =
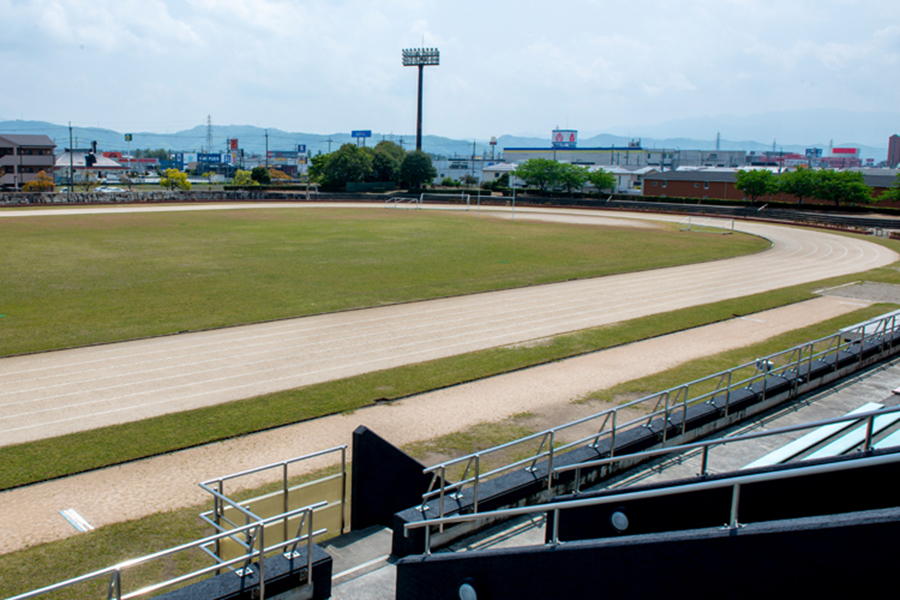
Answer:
(209, 135)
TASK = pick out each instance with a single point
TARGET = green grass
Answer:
(74, 453)
(73, 280)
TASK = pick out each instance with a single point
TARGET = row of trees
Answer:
(544, 174)
(386, 162)
(848, 187)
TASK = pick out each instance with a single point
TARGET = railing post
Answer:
(704, 462)
(285, 503)
(443, 487)
(427, 540)
(612, 441)
(343, 488)
(870, 428)
(550, 462)
(115, 586)
(475, 488)
(309, 550)
(735, 502)
(261, 561)
(555, 537)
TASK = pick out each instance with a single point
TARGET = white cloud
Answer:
(505, 66)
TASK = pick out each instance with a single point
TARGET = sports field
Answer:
(73, 280)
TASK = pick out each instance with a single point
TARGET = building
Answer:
(893, 157)
(22, 157)
(141, 166)
(718, 184)
(80, 164)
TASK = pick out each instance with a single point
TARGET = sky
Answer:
(507, 67)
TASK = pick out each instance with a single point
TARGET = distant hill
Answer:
(737, 134)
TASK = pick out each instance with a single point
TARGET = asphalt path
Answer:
(54, 393)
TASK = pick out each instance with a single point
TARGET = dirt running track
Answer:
(55, 393)
(154, 376)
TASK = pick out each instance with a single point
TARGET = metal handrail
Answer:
(115, 572)
(778, 364)
(734, 482)
(215, 487)
(705, 445)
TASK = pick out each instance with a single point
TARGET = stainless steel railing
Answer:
(255, 532)
(218, 518)
(706, 445)
(734, 483)
(796, 362)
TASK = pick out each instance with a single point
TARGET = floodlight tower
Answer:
(420, 57)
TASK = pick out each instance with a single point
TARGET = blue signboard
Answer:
(363, 133)
(210, 158)
(301, 148)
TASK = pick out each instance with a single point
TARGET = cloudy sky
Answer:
(514, 67)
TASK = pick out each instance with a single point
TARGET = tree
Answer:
(41, 183)
(892, 194)
(602, 180)
(89, 182)
(209, 176)
(243, 179)
(540, 172)
(756, 184)
(571, 177)
(175, 179)
(349, 163)
(841, 186)
(799, 183)
(260, 175)
(317, 164)
(278, 176)
(416, 169)
(386, 161)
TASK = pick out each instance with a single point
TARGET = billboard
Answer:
(564, 138)
(847, 152)
(233, 144)
(213, 158)
(813, 153)
(361, 133)
(301, 148)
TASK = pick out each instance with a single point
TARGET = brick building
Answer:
(893, 157)
(718, 184)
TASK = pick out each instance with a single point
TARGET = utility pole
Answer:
(329, 140)
(267, 149)
(71, 165)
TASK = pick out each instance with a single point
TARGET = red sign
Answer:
(234, 144)
(844, 151)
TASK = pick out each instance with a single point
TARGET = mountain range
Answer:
(856, 129)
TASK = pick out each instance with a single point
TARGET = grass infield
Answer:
(73, 280)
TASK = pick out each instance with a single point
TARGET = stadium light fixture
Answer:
(420, 57)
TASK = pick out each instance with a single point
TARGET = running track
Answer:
(54, 393)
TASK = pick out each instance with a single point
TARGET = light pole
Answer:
(420, 57)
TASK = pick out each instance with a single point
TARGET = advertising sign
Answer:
(845, 151)
(214, 158)
(813, 153)
(564, 138)
(128, 137)
(301, 148)
(361, 133)
(233, 144)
